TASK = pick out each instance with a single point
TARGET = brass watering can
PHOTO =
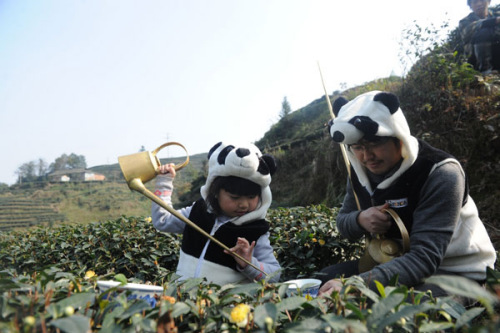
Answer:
(139, 168)
(380, 250)
(144, 165)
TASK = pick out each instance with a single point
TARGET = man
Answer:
(480, 32)
(425, 186)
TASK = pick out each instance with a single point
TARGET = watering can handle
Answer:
(177, 166)
(402, 229)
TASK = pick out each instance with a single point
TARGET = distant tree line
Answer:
(38, 170)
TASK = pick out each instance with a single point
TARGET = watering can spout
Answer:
(136, 184)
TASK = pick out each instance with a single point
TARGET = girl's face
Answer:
(233, 205)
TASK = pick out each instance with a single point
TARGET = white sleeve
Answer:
(263, 257)
(163, 220)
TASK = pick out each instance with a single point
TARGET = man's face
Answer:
(480, 7)
(378, 157)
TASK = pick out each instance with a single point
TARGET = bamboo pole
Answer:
(342, 146)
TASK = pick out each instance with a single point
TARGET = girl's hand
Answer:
(167, 168)
(244, 249)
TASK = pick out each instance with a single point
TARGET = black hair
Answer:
(469, 1)
(232, 184)
(381, 139)
(377, 139)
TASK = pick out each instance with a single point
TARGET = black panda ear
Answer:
(211, 151)
(267, 165)
(337, 104)
(388, 99)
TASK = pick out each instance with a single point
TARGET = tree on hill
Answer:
(37, 170)
(67, 162)
(31, 171)
(285, 108)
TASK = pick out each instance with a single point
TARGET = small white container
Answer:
(142, 291)
(303, 287)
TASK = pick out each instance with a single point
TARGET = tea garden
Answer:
(48, 283)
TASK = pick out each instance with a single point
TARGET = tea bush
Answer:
(57, 301)
(305, 240)
(128, 245)
(48, 283)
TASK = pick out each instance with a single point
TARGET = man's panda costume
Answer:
(199, 257)
(427, 189)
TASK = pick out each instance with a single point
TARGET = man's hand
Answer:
(374, 220)
(244, 249)
(329, 287)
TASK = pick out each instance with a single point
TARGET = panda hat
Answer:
(244, 161)
(370, 116)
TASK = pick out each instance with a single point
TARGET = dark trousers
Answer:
(486, 51)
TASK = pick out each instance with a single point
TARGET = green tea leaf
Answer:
(264, 311)
(180, 308)
(435, 326)
(461, 286)
(291, 303)
(307, 325)
(120, 278)
(137, 307)
(468, 316)
(73, 324)
(80, 300)
(341, 324)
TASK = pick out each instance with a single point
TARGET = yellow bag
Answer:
(380, 249)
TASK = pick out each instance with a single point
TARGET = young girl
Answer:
(232, 208)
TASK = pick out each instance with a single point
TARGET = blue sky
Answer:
(103, 78)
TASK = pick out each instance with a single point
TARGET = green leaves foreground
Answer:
(48, 283)
(57, 300)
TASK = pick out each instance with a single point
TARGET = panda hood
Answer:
(370, 115)
(244, 161)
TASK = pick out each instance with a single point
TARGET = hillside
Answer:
(49, 204)
(453, 109)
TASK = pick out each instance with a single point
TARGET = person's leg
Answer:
(496, 55)
(344, 269)
(484, 57)
(483, 40)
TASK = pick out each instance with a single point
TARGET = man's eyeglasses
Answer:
(367, 146)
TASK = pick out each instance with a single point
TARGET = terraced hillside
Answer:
(17, 212)
(51, 203)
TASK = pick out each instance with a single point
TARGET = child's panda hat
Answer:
(244, 161)
(370, 116)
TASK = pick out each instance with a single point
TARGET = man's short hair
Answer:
(469, 1)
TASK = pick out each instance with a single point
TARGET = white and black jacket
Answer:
(199, 257)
